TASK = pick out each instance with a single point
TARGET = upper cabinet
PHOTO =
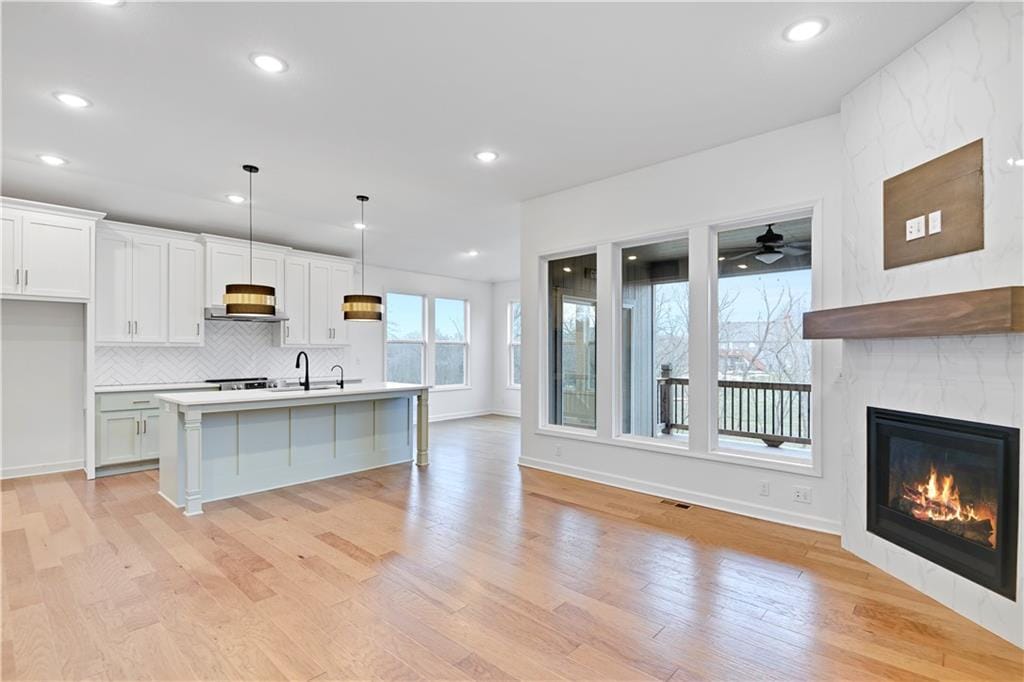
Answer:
(314, 288)
(228, 262)
(149, 286)
(47, 251)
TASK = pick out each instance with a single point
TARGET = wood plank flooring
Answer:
(471, 568)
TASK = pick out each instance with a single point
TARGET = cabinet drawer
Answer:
(110, 402)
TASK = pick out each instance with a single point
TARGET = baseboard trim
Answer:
(506, 413)
(725, 504)
(38, 469)
(458, 415)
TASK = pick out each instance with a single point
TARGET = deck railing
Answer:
(774, 412)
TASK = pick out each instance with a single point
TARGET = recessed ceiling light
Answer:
(567, 269)
(359, 226)
(486, 156)
(269, 63)
(236, 198)
(109, 3)
(72, 100)
(630, 257)
(1015, 162)
(742, 266)
(52, 160)
(805, 30)
(472, 252)
(721, 258)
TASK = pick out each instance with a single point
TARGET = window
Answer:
(450, 342)
(572, 354)
(515, 333)
(405, 343)
(764, 364)
(656, 339)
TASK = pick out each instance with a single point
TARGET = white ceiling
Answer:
(392, 100)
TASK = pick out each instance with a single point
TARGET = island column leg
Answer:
(193, 463)
(422, 429)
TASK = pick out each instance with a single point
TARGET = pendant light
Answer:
(249, 300)
(363, 307)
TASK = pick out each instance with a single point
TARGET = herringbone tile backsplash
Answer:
(233, 349)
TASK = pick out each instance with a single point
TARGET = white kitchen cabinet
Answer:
(320, 318)
(131, 286)
(340, 285)
(295, 332)
(149, 439)
(149, 290)
(186, 277)
(227, 262)
(46, 255)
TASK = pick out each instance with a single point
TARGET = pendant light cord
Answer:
(250, 227)
(362, 245)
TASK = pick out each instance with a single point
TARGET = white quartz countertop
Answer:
(131, 388)
(256, 396)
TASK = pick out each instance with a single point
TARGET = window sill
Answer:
(737, 457)
(451, 387)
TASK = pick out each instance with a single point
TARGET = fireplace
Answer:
(947, 490)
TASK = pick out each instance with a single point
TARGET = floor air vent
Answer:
(681, 505)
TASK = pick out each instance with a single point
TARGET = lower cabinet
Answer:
(129, 436)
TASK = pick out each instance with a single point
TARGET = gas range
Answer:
(242, 384)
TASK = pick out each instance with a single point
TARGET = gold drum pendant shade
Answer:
(250, 300)
(363, 307)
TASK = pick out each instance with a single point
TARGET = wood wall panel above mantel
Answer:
(984, 311)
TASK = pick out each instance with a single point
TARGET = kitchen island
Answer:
(220, 444)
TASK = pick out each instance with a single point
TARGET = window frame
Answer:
(423, 343)
(703, 442)
(512, 344)
(433, 343)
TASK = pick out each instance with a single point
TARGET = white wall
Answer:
(960, 83)
(367, 356)
(505, 400)
(796, 165)
(43, 387)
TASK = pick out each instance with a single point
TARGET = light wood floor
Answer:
(472, 568)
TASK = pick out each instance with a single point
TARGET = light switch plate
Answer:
(935, 222)
(915, 228)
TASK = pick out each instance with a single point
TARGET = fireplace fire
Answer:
(940, 505)
(948, 491)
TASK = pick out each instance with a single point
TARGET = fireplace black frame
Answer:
(994, 568)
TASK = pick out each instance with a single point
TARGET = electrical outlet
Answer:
(935, 222)
(765, 489)
(801, 494)
(558, 451)
(915, 228)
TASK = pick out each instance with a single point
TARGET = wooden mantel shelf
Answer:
(985, 311)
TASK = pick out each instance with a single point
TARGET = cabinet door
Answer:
(113, 286)
(10, 251)
(341, 284)
(268, 269)
(227, 264)
(295, 331)
(56, 256)
(185, 293)
(119, 437)
(149, 290)
(149, 439)
(320, 319)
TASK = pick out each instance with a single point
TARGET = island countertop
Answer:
(254, 397)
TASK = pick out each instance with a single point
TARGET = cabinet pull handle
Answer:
(26, 276)
(287, 331)
(17, 275)
(140, 402)
(144, 426)
(136, 427)
(197, 329)
(136, 326)
(129, 327)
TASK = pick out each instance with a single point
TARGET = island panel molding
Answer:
(952, 184)
(985, 311)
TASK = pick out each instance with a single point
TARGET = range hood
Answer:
(219, 312)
